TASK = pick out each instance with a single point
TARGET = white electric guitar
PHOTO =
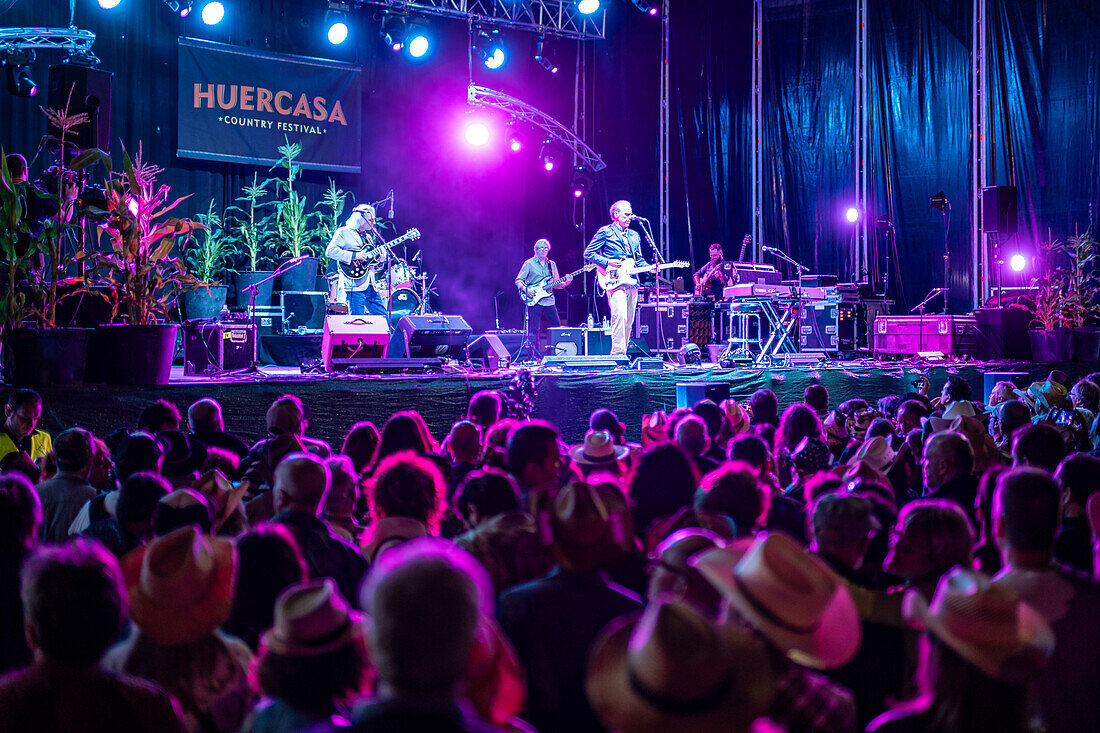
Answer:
(613, 277)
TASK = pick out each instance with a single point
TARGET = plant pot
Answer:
(204, 303)
(1086, 344)
(1051, 347)
(263, 292)
(125, 354)
(302, 277)
(49, 357)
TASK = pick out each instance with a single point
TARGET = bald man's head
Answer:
(302, 482)
(205, 414)
(691, 434)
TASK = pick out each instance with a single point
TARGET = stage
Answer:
(563, 397)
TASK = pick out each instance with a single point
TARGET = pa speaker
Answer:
(999, 209)
(86, 91)
(348, 339)
(434, 335)
(1002, 333)
(489, 350)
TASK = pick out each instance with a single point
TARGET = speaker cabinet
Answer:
(434, 335)
(85, 91)
(489, 351)
(217, 347)
(565, 342)
(1002, 333)
(348, 339)
(999, 210)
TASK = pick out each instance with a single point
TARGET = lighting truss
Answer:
(551, 17)
(519, 110)
(75, 42)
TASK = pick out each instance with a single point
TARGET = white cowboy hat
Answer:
(598, 449)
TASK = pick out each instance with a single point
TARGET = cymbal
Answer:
(53, 147)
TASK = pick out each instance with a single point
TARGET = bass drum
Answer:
(403, 302)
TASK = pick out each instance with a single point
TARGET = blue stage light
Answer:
(212, 13)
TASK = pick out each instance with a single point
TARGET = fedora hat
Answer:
(670, 668)
(182, 455)
(793, 598)
(598, 449)
(985, 623)
(312, 618)
(876, 453)
(181, 585)
(587, 524)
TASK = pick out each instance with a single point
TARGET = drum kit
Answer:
(412, 289)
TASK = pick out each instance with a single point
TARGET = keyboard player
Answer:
(715, 275)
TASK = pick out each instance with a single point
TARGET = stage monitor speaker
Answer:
(435, 335)
(86, 91)
(1002, 333)
(999, 210)
(348, 339)
(688, 393)
(565, 342)
(489, 350)
(303, 310)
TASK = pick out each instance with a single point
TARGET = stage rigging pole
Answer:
(862, 130)
(981, 270)
(757, 129)
(663, 232)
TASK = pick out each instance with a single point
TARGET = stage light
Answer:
(852, 214)
(212, 13)
(1017, 263)
(582, 183)
(418, 44)
(540, 57)
(490, 49)
(337, 32)
(20, 83)
(645, 7)
(393, 31)
(587, 7)
(515, 145)
(477, 134)
(109, 4)
(185, 8)
(549, 157)
(939, 202)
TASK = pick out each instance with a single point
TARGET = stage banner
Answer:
(239, 105)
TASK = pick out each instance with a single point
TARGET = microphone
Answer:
(416, 257)
(639, 218)
(766, 248)
(391, 204)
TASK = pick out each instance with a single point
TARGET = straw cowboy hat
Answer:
(836, 426)
(985, 623)
(957, 409)
(181, 585)
(598, 449)
(858, 423)
(738, 416)
(1042, 397)
(794, 599)
(311, 619)
(221, 492)
(670, 668)
(876, 453)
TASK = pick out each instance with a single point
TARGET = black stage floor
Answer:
(564, 398)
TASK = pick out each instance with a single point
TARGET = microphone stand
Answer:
(389, 279)
(790, 260)
(920, 306)
(253, 291)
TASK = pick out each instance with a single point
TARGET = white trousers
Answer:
(623, 302)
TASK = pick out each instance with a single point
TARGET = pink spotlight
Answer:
(477, 134)
(852, 214)
(652, 11)
(548, 164)
(1017, 262)
(515, 145)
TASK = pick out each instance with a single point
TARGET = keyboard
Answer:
(778, 292)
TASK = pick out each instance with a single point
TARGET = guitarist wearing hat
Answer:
(536, 273)
(350, 244)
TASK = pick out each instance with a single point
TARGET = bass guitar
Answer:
(542, 288)
(610, 278)
(357, 269)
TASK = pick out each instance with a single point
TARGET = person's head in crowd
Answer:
(221, 459)
(1027, 509)
(799, 421)
(954, 389)
(981, 648)
(752, 450)
(841, 526)
(837, 437)
(20, 514)
(101, 476)
(287, 416)
(184, 457)
(138, 451)
(361, 445)
(404, 431)
(205, 416)
(880, 428)
(1059, 377)
(947, 456)
(819, 485)
(847, 408)
(766, 432)
(1009, 416)
(485, 494)
(534, 455)
(17, 167)
(74, 602)
(599, 453)
(817, 397)
(692, 435)
(714, 418)
(159, 416)
(22, 412)
(1002, 391)
(860, 422)
(931, 537)
(604, 419)
(182, 508)
(74, 451)
(19, 462)
(675, 417)
(661, 483)
(1038, 445)
(670, 573)
(302, 482)
(486, 408)
(270, 560)
(496, 435)
(764, 406)
(138, 498)
(734, 491)
(888, 404)
(983, 501)
(314, 657)
(1085, 394)
(809, 457)
(343, 495)
(1078, 476)
(464, 441)
(407, 485)
(587, 524)
(423, 600)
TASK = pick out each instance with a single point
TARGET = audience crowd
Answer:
(905, 564)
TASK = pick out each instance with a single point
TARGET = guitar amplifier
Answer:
(565, 342)
(909, 335)
(673, 325)
(217, 347)
(303, 310)
(350, 339)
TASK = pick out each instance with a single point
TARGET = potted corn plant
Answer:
(292, 225)
(208, 260)
(250, 235)
(1082, 309)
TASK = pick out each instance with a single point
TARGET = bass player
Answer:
(610, 245)
(350, 244)
(534, 272)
